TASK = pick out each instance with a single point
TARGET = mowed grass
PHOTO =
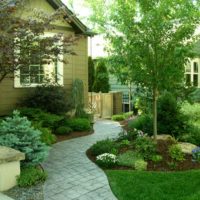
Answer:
(133, 185)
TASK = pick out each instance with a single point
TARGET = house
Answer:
(13, 90)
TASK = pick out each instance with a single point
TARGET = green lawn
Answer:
(132, 185)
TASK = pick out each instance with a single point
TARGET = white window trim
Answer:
(60, 71)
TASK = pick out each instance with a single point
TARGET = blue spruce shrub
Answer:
(16, 132)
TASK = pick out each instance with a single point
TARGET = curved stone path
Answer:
(71, 175)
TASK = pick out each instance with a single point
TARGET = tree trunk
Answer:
(155, 97)
(129, 97)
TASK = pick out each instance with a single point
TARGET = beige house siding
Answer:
(76, 67)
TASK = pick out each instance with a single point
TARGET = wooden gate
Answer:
(102, 104)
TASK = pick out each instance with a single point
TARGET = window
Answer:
(37, 72)
(192, 73)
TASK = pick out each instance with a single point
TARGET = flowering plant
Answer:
(107, 160)
(196, 154)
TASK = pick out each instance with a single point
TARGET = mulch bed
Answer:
(162, 149)
(72, 135)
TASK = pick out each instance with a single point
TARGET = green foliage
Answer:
(192, 136)
(16, 132)
(145, 146)
(63, 130)
(103, 146)
(128, 158)
(140, 165)
(79, 124)
(118, 117)
(124, 143)
(196, 154)
(157, 158)
(50, 98)
(192, 111)
(101, 82)
(143, 122)
(91, 74)
(170, 119)
(128, 115)
(45, 119)
(172, 165)
(195, 95)
(31, 176)
(176, 153)
(46, 136)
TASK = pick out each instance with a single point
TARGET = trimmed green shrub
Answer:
(50, 97)
(103, 146)
(101, 81)
(79, 124)
(31, 176)
(128, 158)
(140, 165)
(143, 122)
(157, 158)
(128, 114)
(16, 132)
(176, 153)
(118, 117)
(46, 136)
(45, 119)
(145, 146)
(63, 130)
(170, 118)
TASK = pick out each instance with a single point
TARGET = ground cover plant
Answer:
(123, 116)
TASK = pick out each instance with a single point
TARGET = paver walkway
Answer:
(71, 175)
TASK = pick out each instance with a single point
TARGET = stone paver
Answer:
(4, 197)
(71, 175)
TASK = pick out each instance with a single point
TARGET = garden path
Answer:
(71, 175)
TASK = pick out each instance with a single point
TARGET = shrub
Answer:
(31, 176)
(16, 132)
(192, 135)
(140, 165)
(196, 154)
(143, 122)
(101, 81)
(170, 118)
(103, 146)
(145, 146)
(79, 124)
(124, 143)
(176, 153)
(128, 114)
(128, 158)
(45, 119)
(46, 134)
(157, 158)
(107, 160)
(50, 97)
(118, 117)
(63, 130)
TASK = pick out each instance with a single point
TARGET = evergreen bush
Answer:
(16, 132)
(101, 82)
(63, 130)
(50, 98)
(91, 74)
(79, 124)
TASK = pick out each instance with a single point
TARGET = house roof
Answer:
(78, 26)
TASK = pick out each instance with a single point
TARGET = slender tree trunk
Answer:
(129, 97)
(155, 97)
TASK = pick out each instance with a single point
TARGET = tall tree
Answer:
(21, 38)
(155, 37)
(101, 82)
(91, 74)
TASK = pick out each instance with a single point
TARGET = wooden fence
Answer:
(104, 105)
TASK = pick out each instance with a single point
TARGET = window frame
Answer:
(58, 68)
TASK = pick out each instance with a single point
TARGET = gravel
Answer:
(28, 193)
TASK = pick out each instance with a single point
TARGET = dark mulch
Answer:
(73, 135)
(162, 149)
